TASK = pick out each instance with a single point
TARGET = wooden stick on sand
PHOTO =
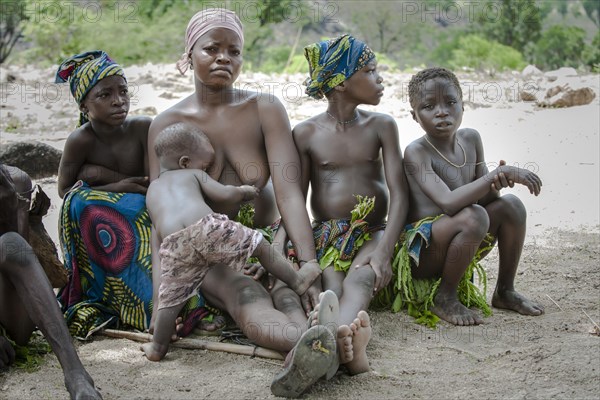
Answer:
(191, 343)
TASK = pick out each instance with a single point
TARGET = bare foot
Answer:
(81, 386)
(306, 276)
(512, 300)
(452, 310)
(361, 334)
(154, 351)
(344, 344)
(327, 314)
(308, 361)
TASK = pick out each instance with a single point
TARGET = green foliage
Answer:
(145, 31)
(258, 21)
(514, 23)
(591, 54)
(476, 52)
(561, 46)
(12, 22)
(275, 59)
(298, 64)
(123, 30)
(592, 10)
(384, 59)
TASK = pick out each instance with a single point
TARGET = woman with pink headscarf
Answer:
(253, 145)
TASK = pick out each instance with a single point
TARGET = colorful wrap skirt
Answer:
(106, 245)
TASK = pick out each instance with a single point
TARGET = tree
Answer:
(561, 46)
(12, 23)
(592, 10)
(514, 23)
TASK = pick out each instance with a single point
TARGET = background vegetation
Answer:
(489, 35)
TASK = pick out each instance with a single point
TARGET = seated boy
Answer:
(26, 296)
(455, 204)
(345, 153)
(194, 238)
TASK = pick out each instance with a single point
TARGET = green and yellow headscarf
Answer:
(333, 61)
(84, 71)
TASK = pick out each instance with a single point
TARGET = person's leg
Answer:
(164, 328)
(454, 242)
(251, 307)
(288, 302)
(276, 264)
(358, 292)
(333, 280)
(508, 224)
(33, 304)
(314, 355)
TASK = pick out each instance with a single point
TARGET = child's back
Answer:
(175, 200)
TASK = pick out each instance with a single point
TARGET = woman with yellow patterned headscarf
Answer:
(84, 71)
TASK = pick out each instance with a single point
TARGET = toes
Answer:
(364, 319)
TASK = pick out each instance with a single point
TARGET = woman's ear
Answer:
(341, 87)
(414, 116)
(184, 161)
(83, 108)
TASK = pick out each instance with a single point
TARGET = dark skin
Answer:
(468, 198)
(110, 151)
(26, 296)
(177, 200)
(358, 158)
(252, 140)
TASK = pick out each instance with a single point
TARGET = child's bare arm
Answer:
(218, 192)
(305, 166)
(73, 158)
(522, 176)
(99, 175)
(380, 259)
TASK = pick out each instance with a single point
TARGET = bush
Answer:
(561, 46)
(476, 52)
(591, 54)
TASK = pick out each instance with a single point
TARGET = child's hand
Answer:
(249, 192)
(523, 177)
(500, 180)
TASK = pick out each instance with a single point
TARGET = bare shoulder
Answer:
(82, 138)
(139, 123)
(307, 126)
(378, 118)
(384, 124)
(163, 120)
(469, 135)
(267, 103)
(173, 114)
(416, 151)
(139, 126)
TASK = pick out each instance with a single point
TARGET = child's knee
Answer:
(363, 279)
(515, 209)
(475, 220)
(14, 250)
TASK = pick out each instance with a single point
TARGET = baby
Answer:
(194, 238)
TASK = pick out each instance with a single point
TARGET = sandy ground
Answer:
(510, 356)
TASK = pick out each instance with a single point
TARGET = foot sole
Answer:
(311, 359)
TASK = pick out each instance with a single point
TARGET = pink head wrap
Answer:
(202, 22)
